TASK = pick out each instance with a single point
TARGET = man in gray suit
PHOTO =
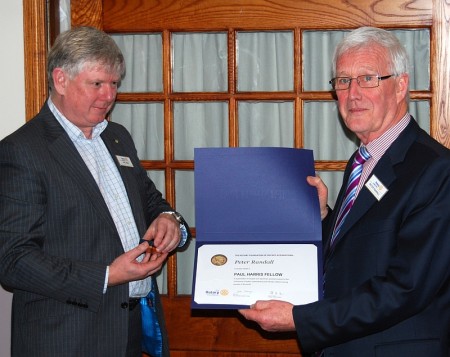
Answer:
(74, 203)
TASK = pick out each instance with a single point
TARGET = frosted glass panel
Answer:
(325, 133)
(318, 48)
(184, 189)
(200, 62)
(143, 60)
(185, 269)
(265, 61)
(199, 124)
(145, 122)
(266, 124)
(420, 110)
(158, 178)
(333, 180)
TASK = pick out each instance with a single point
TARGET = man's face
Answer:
(87, 98)
(369, 112)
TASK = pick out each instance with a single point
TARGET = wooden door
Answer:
(225, 333)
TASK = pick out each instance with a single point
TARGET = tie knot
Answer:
(362, 155)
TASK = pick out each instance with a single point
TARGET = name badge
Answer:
(124, 161)
(376, 187)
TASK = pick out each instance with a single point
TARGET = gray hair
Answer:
(367, 36)
(75, 48)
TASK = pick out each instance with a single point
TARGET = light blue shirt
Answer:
(102, 167)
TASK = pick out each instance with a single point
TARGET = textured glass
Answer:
(143, 60)
(145, 122)
(185, 193)
(199, 124)
(265, 61)
(318, 49)
(333, 180)
(266, 124)
(185, 267)
(158, 178)
(326, 133)
(200, 62)
(420, 110)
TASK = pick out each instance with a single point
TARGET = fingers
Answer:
(165, 233)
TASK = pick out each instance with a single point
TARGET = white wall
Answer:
(12, 104)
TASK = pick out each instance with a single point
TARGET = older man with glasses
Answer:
(387, 242)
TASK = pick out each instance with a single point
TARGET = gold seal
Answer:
(219, 259)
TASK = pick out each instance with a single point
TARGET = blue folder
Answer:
(255, 196)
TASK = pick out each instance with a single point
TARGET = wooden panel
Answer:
(440, 65)
(221, 330)
(35, 56)
(86, 13)
(146, 15)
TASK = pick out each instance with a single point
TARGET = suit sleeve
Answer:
(26, 264)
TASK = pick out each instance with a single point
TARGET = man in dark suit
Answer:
(74, 203)
(387, 262)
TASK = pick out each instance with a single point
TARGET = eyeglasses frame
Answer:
(380, 78)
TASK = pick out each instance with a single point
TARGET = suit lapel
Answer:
(384, 171)
(67, 156)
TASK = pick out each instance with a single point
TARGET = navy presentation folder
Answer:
(249, 195)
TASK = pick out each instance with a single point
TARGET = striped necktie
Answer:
(350, 194)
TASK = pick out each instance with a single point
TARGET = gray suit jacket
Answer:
(57, 237)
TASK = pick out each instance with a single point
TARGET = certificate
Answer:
(258, 227)
(241, 274)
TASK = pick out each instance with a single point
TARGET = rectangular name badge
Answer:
(376, 187)
(124, 161)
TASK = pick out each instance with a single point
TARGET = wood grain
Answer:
(146, 15)
(440, 104)
(35, 48)
(220, 330)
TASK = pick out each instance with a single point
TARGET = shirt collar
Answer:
(378, 147)
(71, 129)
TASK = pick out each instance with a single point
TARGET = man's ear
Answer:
(402, 86)
(59, 80)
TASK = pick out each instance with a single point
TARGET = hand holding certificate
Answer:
(258, 227)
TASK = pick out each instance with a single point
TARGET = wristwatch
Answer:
(177, 216)
(185, 231)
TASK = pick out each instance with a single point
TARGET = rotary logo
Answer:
(224, 292)
(219, 259)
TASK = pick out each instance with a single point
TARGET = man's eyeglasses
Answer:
(364, 81)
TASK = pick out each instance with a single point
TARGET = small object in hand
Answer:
(151, 249)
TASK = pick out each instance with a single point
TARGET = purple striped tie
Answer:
(361, 157)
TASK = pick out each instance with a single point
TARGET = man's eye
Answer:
(343, 80)
(367, 78)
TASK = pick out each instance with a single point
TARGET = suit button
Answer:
(124, 305)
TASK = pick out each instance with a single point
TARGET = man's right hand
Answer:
(126, 267)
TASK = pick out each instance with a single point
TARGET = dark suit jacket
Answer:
(387, 282)
(57, 237)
